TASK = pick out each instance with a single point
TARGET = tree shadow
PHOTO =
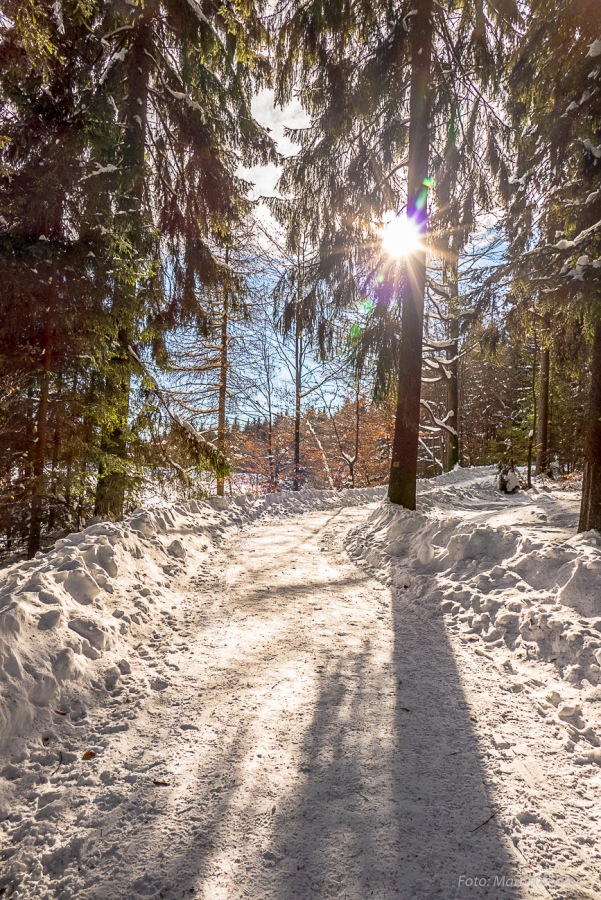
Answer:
(395, 801)
(389, 795)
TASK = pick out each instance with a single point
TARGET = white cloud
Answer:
(275, 119)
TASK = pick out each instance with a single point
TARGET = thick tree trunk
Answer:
(112, 479)
(452, 440)
(403, 472)
(542, 441)
(590, 509)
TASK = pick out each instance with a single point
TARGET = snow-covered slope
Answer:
(70, 618)
(216, 710)
(508, 568)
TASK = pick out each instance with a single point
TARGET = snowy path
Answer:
(308, 735)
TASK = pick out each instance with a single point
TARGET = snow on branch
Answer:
(440, 423)
(444, 317)
(569, 245)
(438, 288)
(431, 454)
(196, 8)
(439, 345)
(100, 170)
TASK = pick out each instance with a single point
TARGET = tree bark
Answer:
(298, 351)
(112, 481)
(403, 472)
(37, 500)
(223, 373)
(590, 509)
(542, 440)
(453, 373)
(270, 459)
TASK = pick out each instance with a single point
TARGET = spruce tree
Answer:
(354, 76)
(121, 130)
(557, 205)
(182, 83)
(55, 250)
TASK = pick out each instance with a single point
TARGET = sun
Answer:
(400, 236)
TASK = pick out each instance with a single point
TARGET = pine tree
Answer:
(354, 75)
(557, 206)
(403, 471)
(54, 252)
(182, 83)
(122, 128)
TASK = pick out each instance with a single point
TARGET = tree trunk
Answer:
(298, 349)
(54, 474)
(590, 509)
(111, 485)
(223, 373)
(452, 440)
(403, 471)
(322, 453)
(37, 500)
(534, 428)
(270, 459)
(542, 455)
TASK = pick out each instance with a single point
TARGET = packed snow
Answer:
(212, 699)
(74, 615)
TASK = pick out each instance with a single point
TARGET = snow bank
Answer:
(70, 618)
(504, 567)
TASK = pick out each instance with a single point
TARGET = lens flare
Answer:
(401, 237)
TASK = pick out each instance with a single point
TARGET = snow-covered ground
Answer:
(213, 700)
(509, 569)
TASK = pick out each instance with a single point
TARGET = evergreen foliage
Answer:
(122, 129)
(154, 329)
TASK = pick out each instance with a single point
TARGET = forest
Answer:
(300, 449)
(419, 289)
